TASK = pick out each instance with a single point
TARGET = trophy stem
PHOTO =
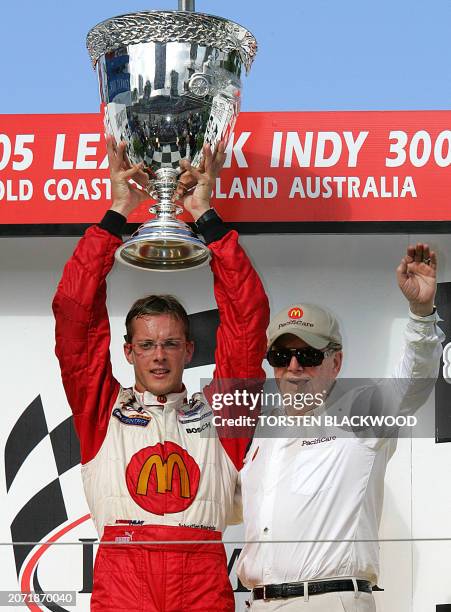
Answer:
(162, 189)
(163, 243)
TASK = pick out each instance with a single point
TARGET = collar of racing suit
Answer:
(168, 402)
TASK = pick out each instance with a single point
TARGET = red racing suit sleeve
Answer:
(83, 337)
(241, 337)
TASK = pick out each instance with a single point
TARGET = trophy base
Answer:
(164, 245)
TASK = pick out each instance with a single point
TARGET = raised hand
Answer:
(417, 278)
(197, 201)
(125, 195)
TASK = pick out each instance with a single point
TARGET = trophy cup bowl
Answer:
(170, 82)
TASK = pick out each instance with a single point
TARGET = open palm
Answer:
(417, 278)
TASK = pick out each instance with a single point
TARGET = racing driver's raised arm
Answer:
(79, 306)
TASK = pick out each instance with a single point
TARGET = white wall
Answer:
(352, 275)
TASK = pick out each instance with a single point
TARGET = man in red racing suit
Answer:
(149, 471)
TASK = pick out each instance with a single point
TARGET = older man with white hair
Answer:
(312, 506)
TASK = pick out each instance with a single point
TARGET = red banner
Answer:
(280, 167)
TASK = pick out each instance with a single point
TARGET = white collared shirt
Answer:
(307, 507)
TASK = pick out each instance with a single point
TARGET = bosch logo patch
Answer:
(191, 430)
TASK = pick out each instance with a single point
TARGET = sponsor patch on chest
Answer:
(321, 440)
(132, 418)
(196, 411)
(199, 429)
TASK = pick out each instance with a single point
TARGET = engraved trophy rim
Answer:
(219, 32)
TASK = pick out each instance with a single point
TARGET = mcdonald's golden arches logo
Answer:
(295, 313)
(163, 479)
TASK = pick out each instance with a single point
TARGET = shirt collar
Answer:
(169, 401)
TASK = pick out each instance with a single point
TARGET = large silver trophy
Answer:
(170, 81)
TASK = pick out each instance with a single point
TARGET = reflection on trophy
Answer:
(170, 81)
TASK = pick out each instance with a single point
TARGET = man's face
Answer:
(159, 353)
(295, 378)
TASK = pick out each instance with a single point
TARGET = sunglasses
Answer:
(307, 357)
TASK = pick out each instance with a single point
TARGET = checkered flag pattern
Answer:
(45, 509)
(167, 156)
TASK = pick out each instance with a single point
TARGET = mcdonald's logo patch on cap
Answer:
(295, 313)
